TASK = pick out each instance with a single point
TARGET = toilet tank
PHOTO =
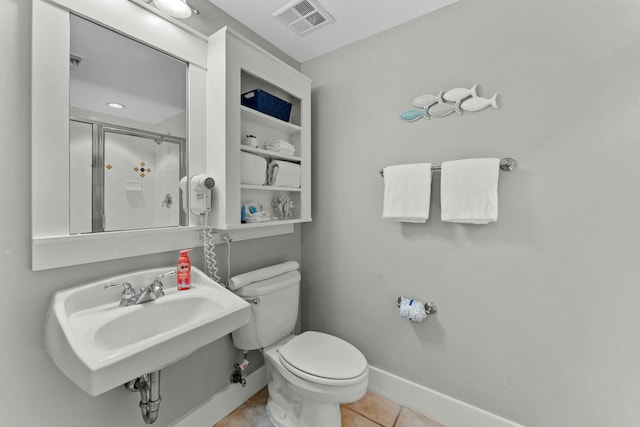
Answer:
(274, 311)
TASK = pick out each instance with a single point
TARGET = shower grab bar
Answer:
(507, 164)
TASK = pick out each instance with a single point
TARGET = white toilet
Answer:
(309, 375)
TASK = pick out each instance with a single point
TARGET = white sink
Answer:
(100, 345)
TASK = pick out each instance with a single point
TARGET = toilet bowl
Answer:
(307, 391)
(309, 375)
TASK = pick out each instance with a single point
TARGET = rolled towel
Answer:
(469, 191)
(244, 279)
(281, 173)
(253, 169)
(407, 192)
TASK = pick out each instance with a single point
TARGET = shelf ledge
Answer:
(269, 188)
(270, 154)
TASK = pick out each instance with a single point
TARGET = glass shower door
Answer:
(141, 181)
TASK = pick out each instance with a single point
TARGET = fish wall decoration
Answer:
(445, 103)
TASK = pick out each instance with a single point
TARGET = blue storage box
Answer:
(266, 103)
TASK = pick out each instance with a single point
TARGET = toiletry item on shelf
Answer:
(280, 146)
(253, 169)
(469, 191)
(281, 173)
(407, 192)
(259, 216)
(184, 270)
(252, 212)
(250, 140)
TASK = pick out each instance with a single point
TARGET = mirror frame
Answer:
(52, 245)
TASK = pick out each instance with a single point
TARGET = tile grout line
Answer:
(364, 416)
(397, 416)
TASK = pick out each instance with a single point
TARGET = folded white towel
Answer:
(469, 191)
(253, 169)
(245, 279)
(280, 146)
(259, 216)
(278, 143)
(281, 150)
(407, 192)
(281, 173)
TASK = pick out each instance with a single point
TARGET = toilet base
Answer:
(312, 414)
(294, 402)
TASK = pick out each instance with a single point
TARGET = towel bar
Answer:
(507, 164)
(429, 307)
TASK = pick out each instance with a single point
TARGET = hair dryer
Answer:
(201, 187)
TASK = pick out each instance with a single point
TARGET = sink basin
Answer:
(100, 345)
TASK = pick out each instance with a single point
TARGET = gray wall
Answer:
(35, 392)
(538, 316)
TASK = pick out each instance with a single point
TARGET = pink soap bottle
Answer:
(183, 274)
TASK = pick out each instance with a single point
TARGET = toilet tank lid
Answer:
(244, 279)
(264, 287)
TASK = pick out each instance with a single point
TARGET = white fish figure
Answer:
(443, 109)
(460, 93)
(425, 101)
(478, 103)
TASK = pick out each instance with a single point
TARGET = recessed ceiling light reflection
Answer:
(115, 105)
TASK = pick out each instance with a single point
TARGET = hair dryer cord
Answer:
(209, 249)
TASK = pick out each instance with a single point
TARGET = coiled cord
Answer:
(209, 248)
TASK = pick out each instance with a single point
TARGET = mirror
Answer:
(56, 242)
(127, 132)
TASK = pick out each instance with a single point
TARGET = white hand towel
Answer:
(283, 174)
(407, 192)
(469, 191)
(245, 279)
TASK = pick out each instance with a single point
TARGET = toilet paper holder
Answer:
(429, 307)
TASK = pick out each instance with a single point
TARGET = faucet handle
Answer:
(159, 277)
(128, 293)
(156, 286)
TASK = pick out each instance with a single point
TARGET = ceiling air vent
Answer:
(303, 16)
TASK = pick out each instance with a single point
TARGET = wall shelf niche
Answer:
(236, 66)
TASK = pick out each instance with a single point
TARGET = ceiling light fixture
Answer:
(176, 8)
(115, 105)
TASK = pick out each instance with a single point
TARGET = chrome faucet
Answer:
(130, 297)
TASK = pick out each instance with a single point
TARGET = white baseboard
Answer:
(224, 402)
(438, 406)
(446, 409)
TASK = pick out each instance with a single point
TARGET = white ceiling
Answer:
(354, 20)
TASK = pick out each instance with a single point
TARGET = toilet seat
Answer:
(323, 359)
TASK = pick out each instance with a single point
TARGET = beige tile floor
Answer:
(372, 410)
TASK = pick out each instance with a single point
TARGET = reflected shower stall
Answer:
(123, 178)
